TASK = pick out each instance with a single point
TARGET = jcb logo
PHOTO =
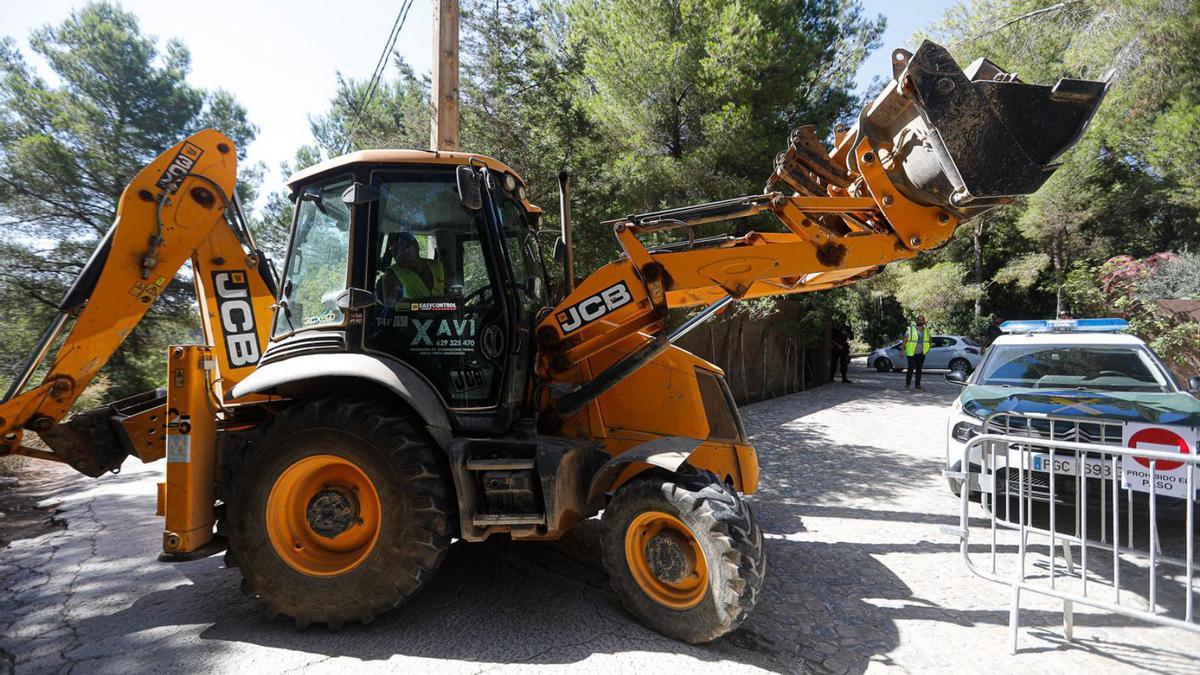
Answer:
(179, 167)
(237, 318)
(593, 307)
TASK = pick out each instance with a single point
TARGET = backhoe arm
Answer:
(181, 206)
(936, 147)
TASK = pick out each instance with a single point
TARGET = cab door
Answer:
(444, 302)
(435, 298)
(519, 256)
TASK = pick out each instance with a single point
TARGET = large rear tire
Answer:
(340, 511)
(684, 554)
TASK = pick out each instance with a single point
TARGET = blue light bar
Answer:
(1066, 326)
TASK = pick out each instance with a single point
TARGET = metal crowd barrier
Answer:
(1093, 502)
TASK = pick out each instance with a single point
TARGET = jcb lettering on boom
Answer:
(593, 307)
(179, 167)
(237, 318)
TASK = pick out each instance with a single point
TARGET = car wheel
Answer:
(883, 364)
(961, 365)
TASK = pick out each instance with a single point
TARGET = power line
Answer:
(377, 74)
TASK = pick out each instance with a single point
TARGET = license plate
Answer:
(1068, 465)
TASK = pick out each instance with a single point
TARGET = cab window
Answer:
(317, 262)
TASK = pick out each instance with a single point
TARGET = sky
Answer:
(280, 58)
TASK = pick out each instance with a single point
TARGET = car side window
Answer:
(942, 342)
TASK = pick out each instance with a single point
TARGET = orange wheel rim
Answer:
(666, 560)
(323, 516)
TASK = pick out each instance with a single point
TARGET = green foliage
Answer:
(68, 148)
(1082, 290)
(694, 98)
(936, 292)
(1177, 277)
(396, 116)
(1023, 270)
(1130, 287)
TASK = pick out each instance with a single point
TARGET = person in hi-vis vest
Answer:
(410, 277)
(916, 346)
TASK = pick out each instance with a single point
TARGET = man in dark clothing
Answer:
(839, 351)
(993, 331)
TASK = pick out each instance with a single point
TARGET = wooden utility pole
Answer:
(443, 131)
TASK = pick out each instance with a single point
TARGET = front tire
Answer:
(341, 511)
(684, 554)
(883, 364)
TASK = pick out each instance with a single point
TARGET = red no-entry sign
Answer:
(1168, 478)
(1160, 439)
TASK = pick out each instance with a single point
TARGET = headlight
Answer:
(965, 431)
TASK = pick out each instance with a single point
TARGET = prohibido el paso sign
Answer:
(593, 307)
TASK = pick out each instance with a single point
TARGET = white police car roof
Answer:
(1068, 339)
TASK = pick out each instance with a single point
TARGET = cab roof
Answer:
(398, 157)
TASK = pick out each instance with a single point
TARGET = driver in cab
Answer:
(410, 277)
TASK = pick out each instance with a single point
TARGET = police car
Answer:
(1071, 380)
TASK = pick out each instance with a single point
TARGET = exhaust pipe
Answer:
(568, 249)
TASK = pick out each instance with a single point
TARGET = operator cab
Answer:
(386, 258)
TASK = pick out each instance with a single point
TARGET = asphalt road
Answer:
(861, 577)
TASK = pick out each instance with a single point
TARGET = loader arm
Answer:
(938, 146)
(180, 207)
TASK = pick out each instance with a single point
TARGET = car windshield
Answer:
(1102, 367)
(316, 268)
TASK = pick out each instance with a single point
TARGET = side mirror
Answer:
(360, 193)
(354, 298)
(957, 377)
(1194, 383)
(560, 251)
(468, 188)
(536, 286)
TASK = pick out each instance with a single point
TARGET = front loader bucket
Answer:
(970, 140)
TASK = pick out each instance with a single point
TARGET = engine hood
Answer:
(1175, 408)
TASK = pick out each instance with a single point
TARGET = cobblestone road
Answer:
(862, 578)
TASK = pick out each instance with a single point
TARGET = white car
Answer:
(951, 352)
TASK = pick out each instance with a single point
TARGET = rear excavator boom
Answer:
(181, 207)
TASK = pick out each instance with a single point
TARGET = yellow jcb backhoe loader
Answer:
(410, 381)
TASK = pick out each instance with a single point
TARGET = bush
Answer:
(1131, 286)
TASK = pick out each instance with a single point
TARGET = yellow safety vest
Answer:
(910, 341)
(414, 286)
